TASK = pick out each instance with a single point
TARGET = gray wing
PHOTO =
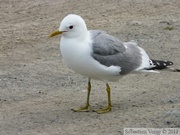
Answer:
(110, 51)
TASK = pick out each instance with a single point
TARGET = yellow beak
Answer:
(55, 33)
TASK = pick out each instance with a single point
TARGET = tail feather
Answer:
(159, 65)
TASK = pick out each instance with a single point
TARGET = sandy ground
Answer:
(37, 91)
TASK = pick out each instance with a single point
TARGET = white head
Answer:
(72, 26)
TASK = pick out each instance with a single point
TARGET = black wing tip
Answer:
(161, 64)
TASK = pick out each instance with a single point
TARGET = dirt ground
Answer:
(37, 91)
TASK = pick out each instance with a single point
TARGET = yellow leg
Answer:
(85, 108)
(108, 108)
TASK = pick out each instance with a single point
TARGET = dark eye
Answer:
(71, 27)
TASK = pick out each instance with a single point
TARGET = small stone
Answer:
(168, 122)
(170, 22)
(136, 23)
(174, 112)
(171, 101)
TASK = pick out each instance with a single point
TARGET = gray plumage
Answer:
(110, 51)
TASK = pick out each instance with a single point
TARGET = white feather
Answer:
(146, 62)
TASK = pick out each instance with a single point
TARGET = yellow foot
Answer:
(104, 110)
(82, 109)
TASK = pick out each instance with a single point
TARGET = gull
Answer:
(100, 56)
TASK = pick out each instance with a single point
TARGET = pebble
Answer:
(174, 112)
(136, 23)
(169, 22)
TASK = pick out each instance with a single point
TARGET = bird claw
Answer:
(104, 110)
(82, 109)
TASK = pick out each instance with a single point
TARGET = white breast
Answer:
(77, 56)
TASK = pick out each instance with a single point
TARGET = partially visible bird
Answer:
(98, 55)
